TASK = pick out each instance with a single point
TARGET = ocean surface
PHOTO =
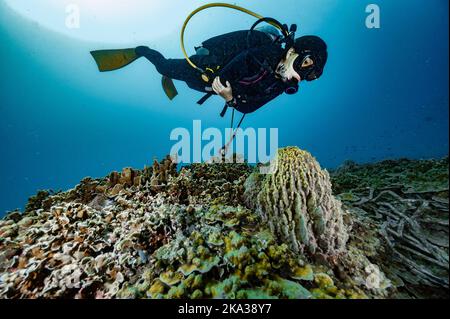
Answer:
(384, 93)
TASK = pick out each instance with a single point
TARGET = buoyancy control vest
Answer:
(218, 51)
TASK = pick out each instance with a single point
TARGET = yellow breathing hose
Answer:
(207, 6)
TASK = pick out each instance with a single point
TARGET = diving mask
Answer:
(307, 68)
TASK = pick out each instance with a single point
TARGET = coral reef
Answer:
(225, 231)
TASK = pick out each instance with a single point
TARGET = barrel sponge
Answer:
(297, 203)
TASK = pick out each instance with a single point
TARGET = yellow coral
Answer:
(323, 281)
(303, 273)
(157, 289)
(197, 283)
(189, 281)
(171, 278)
(197, 294)
(175, 293)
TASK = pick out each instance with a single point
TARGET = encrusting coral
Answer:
(210, 231)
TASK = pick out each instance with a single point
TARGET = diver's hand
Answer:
(226, 92)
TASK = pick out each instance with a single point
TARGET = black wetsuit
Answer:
(249, 69)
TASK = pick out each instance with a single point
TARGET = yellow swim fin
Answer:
(109, 60)
(169, 88)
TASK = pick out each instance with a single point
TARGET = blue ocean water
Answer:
(384, 93)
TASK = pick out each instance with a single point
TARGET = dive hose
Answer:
(207, 75)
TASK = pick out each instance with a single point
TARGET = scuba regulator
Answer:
(287, 39)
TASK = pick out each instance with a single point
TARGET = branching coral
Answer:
(402, 207)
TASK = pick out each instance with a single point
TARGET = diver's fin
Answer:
(109, 60)
(169, 88)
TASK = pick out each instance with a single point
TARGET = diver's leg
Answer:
(177, 69)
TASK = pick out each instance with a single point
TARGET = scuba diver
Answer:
(246, 76)
(246, 68)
